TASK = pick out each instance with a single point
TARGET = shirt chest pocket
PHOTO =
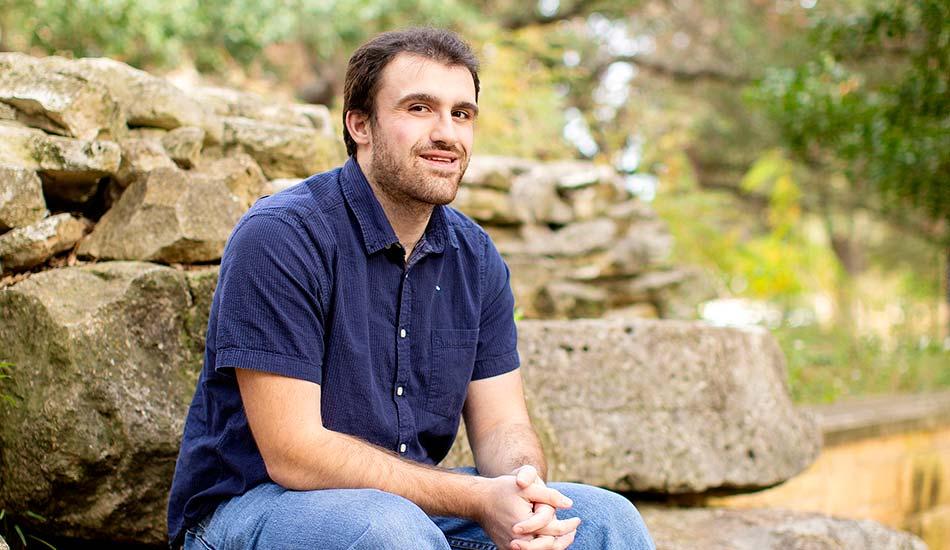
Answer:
(450, 369)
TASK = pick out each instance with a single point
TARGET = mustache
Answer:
(438, 146)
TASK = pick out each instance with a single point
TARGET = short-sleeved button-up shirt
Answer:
(314, 285)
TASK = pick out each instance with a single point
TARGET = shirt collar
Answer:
(376, 230)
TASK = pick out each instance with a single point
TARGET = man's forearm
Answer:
(342, 462)
(508, 447)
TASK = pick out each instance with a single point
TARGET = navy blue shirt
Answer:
(314, 285)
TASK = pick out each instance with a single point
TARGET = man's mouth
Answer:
(440, 159)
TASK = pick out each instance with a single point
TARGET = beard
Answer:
(411, 180)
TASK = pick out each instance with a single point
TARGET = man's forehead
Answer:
(409, 74)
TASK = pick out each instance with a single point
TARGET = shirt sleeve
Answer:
(497, 351)
(269, 315)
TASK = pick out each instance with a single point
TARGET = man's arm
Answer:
(503, 442)
(499, 429)
(300, 454)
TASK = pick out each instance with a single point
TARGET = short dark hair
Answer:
(367, 64)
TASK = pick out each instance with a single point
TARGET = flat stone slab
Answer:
(66, 104)
(720, 529)
(25, 247)
(661, 406)
(70, 168)
(869, 417)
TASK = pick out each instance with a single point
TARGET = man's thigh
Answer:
(270, 516)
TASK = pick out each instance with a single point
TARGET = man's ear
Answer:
(357, 124)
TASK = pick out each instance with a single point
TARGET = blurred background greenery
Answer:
(799, 150)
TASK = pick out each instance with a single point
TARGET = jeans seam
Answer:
(465, 544)
(201, 540)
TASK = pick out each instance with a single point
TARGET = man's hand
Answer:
(542, 530)
(507, 503)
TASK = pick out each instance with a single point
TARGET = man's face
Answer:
(422, 132)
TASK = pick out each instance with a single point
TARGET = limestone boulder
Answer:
(21, 198)
(536, 201)
(241, 175)
(70, 168)
(570, 300)
(486, 205)
(183, 145)
(105, 363)
(70, 105)
(145, 99)
(32, 245)
(494, 171)
(721, 529)
(226, 102)
(575, 239)
(283, 151)
(139, 157)
(661, 406)
(7, 112)
(170, 216)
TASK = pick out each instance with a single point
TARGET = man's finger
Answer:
(546, 495)
(526, 475)
(543, 515)
(563, 542)
(537, 543)
(559, 527)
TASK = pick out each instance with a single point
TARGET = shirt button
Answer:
(399, 390)
(402, 333)
(402, 448)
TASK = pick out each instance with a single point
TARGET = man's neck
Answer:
(407, 217)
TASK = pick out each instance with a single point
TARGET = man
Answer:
(355, 319)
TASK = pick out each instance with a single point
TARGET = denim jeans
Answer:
(271, 517)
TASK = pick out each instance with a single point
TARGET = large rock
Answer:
(3, 544)
(242, 176)
(139, 157)
(661, 406)
(21, 197)
(184, 145)
(719, 529)
(32, 245)
(170, 216)
(70, 168)
(105, 363)
(226, 102)
(146, 100)
(283, 151)
(65, 104)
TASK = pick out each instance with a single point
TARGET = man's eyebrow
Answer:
(429, 98)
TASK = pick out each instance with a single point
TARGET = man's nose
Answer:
(444, 130)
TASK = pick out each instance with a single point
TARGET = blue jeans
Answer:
(271, 517)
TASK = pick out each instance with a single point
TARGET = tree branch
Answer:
(529, 17)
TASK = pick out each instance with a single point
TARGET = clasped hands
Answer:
(521, 514)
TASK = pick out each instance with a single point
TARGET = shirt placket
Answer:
(404, 335)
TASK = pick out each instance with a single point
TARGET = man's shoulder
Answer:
(465, 228)
(303, 201)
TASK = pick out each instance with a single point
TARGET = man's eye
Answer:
(462, 114)
(418, 108)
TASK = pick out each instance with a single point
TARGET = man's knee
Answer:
(608, 519)
(396, 522)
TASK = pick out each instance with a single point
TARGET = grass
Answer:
(826, 365)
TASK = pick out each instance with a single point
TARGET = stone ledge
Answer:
(721, 529)
(868, 417)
